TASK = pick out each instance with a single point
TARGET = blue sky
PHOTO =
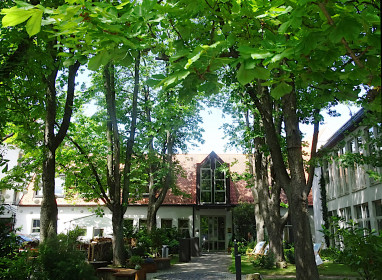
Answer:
(214, 134)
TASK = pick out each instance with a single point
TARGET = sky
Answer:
(214, 134)
(213, 120)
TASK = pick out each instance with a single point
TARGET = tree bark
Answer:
(297, 193)
(260, 232)
(113, 166)
(49, 211)
(293, 183)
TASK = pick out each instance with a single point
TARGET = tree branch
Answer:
(313, 152)
(68, 104)
(104, 197)
(343, 41)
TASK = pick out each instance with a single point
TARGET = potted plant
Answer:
(136, 263)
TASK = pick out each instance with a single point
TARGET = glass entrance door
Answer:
(212, 233)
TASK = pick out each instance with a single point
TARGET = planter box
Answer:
(162, 263)
(110, 273)
(149, 267)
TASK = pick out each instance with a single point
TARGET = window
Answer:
(212, 181)
(345, 214)
(166, 223)
(142, 223)
(183, 228)
(98, 232)
(82, 231)
(59, 183)
(35, 226)
(362, 215)
(378, 214)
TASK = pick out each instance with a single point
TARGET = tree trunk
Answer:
(49, 211)
(297, 193)
(260, 233)
(119, 258)
(293, 182)
(260, 230)
(113, 166)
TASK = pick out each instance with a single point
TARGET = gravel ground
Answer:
(208, 266)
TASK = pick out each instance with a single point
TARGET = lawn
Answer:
(326, 269)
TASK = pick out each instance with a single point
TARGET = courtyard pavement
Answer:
(209, 266)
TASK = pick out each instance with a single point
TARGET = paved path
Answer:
(208, 266)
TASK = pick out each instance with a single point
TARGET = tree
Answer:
(49, 68)
(271, 46)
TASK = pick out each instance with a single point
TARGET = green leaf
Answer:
(99, 59)
(193, 59)
(262, 73)
(283, 27)
(245, 76)
(33, 25)
(280, 90)
(15, 16)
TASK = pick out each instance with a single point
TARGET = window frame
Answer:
(35, 228)
(210, 163)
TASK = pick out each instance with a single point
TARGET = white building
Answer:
(205, 213)
(350, 192)
(9, 198)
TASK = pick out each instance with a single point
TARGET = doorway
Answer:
(212, 233)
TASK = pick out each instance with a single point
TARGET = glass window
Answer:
(378, 207)
(358, 211)
(82, 231)
(351, 146)
(183, 227)
(142, 223)
(35, 226)
(98, 232)
(166, 223)
(212, 182)
(59, 184)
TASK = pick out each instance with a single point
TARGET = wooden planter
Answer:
(162, 263)
(109, 273)
(140, 275)
(149, 267)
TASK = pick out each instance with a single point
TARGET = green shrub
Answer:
(151, 243)
(331, 254)
(59, 259)
(289, 254)
(362, 249)
(241, 248)
(263, 261)
(135, 261)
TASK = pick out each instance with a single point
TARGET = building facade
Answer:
(352, 193)
(205, 212)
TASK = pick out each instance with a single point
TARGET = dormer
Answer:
(213, 184)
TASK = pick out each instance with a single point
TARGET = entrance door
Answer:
(212, 233)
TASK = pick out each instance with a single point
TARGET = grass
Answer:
(174, 259)
(326, 269)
